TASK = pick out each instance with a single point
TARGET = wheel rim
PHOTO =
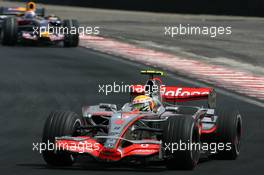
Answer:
(76, 125)
(195, 138)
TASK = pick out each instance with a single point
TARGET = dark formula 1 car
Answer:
(174, 134)
(6, 12)
(30, 25)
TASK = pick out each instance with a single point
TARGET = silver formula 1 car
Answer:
(174, 134)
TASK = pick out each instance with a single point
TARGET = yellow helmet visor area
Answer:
(141, 106)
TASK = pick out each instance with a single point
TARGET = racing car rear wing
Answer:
(180, 94)
(19, 11)
(22, 10)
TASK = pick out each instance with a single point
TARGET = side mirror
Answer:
(108, 106)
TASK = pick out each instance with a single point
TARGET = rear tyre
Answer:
(9, 32)
(1, 12)
(59, 124)
(229, 133)
(181, 129)
(71, 39)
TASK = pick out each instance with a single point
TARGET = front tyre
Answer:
(71, 38)
(9, 32)
(229, 130)
(181, 129)
(59, 124)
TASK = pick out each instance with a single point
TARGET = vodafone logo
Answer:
(180, 92)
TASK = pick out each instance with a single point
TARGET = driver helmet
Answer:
(29, 14)
(143, 103)
(52, 17)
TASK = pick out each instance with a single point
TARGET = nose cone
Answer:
(110, 154)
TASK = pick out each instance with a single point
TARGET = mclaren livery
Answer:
(30, 25)
(150, 127)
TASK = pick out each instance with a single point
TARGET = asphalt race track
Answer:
(35, 81)
(242, 49)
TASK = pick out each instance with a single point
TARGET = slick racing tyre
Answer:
(9, 32)
(177, 130)
(59, 124)
(229, 129)
(71, 39)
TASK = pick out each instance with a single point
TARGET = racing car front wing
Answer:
(87, 145)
